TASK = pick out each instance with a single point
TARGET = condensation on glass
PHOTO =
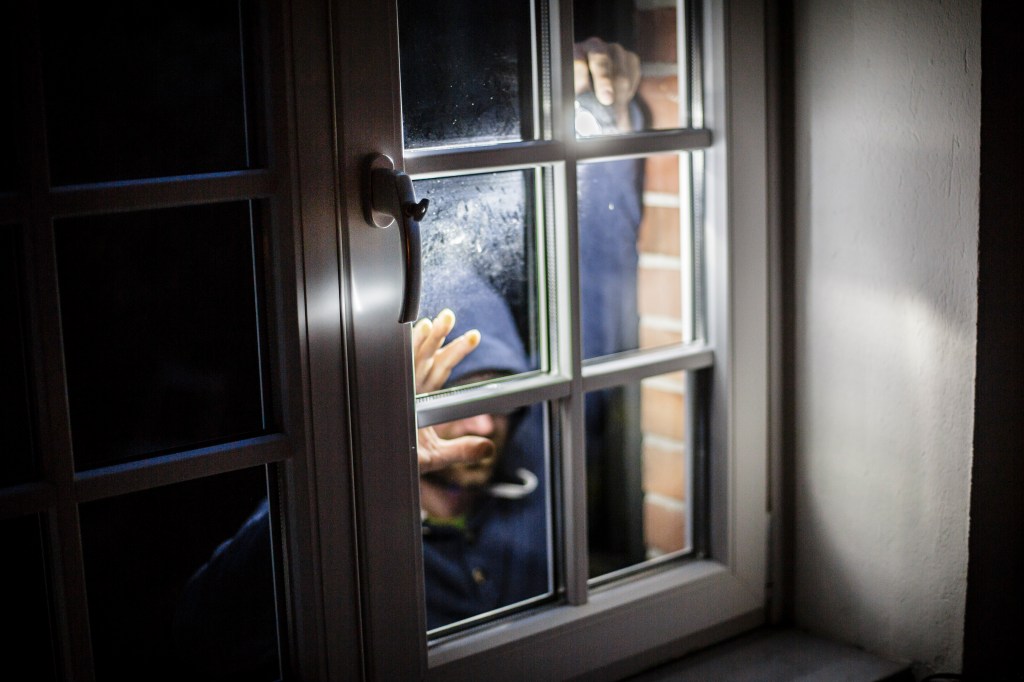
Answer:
(140, 90)
(466, 70)
(162, 318)
(655, 33)
(637, 281)
(29, 645)
(639, 473)
(17, 463)
(479, 252)
(166, 600)
(486, 538)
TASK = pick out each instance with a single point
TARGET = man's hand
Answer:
(611, 71)
(433, 363)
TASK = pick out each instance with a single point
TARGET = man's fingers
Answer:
(428, 336)
(626, 70)
(610, 70)
(581, 74)
(434, 452)
(601, 75)
(449, 356)
(581, 62)
(420, 332)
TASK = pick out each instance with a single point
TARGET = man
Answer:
(484, 521)
(484, 517)
(483, 484)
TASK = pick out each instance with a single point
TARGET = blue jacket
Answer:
(609, 198)
(501, 557)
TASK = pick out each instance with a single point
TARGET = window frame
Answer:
(348, 518)
(669, 609)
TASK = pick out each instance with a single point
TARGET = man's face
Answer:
(474, 474)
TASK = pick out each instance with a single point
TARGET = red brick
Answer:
(662, 413)
(659, 231)
(651, 337)
(656, 35)
(664, 526)
(659, 292)
(664, 470)
(661, 97)
(662, 174)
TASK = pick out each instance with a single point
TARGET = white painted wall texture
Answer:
(887, 116)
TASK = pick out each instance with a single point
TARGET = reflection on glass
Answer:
(466, 71)
(161, 329)
(635, 255)
(637, 473)
(478, 248)
(28, 639)
(16, 462)
(167, 601)
(650, 96)
(485, 525)
(143, 89)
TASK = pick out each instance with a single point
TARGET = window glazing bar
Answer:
(147, 473)
(637, 365)
(643, 144)
(496, 397)
(25, 499)
(430, 162)
(161, 192)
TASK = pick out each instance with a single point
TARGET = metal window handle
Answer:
(392, 199)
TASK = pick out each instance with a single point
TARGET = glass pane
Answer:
(638, 83)
(466, 71)
(144, 89)
(28, 639)
(166, 600)
(636, 263)
(486, 541)
(16, 460)
(478, 249)
(160, 312)
(638, 473)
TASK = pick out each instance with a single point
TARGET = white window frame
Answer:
(616, 629)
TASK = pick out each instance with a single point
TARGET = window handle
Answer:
(392, 199)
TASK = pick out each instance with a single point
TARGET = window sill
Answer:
(780, 655)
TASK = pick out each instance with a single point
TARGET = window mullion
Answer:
(567, 346)
(424, 163)
(494, 398)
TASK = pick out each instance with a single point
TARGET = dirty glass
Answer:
(466, 72)
(486, 537)
(168, 601)
(638, 473)
(636, 277)
(149, 89)
(28, 640)
(161, 314)
(16, 460)
(651, 86)
(479, 258)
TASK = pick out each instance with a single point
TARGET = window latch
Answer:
(392, 200)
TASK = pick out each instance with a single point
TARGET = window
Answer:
(202, 342)
(151, 384)
(488, 123)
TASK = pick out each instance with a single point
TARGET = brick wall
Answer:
(660, 288)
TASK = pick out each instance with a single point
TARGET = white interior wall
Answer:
(886, 116)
